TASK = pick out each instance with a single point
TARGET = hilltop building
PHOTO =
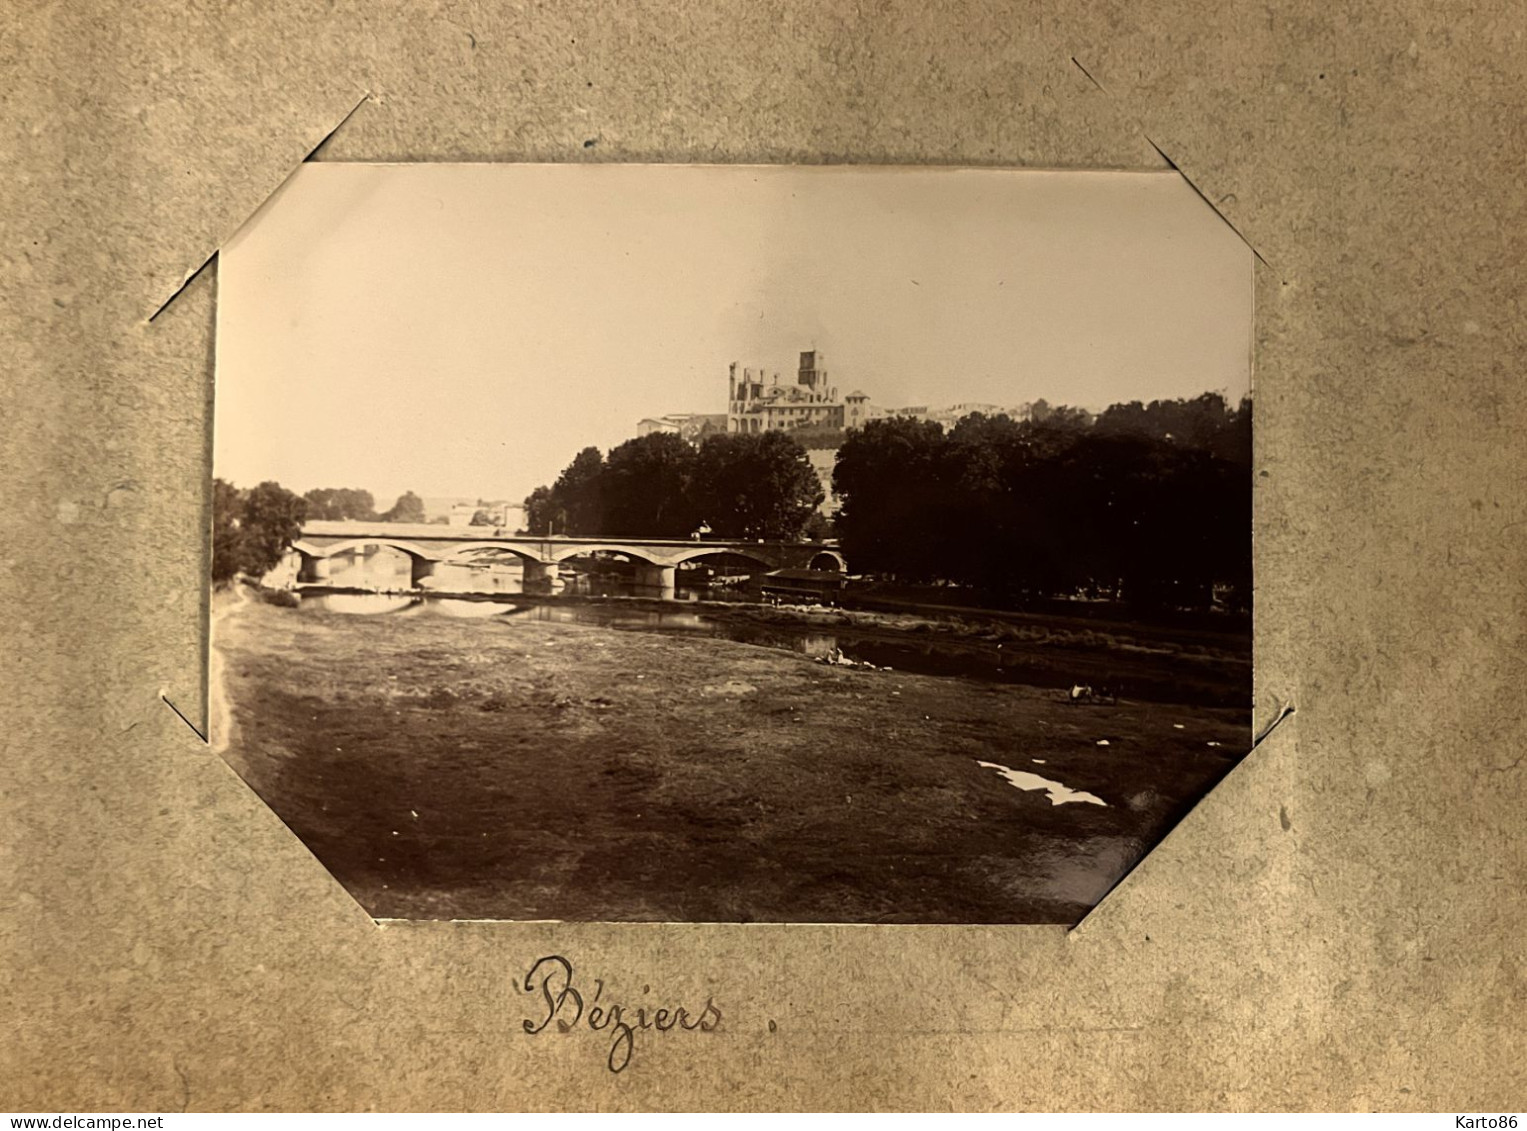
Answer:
(692, 426)
(759, 401)
(758, 405)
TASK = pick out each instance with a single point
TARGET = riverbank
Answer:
(503, 768)
(1140, 661)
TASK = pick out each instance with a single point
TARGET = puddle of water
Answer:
(403, 604)
(363, 603)
(1058, 792)
(606, 617)
(468, 610)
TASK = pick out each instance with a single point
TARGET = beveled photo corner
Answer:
(732, 544)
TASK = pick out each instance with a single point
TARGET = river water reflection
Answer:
(967, 659)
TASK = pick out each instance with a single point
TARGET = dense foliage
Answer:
(577, 503)
(660, 486)
(756, 485)
(408, 508)
(647, 488)
(252, 529)
(541, 511)
(340, 503)
(1148, 503)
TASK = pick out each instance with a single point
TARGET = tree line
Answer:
(253, 527)
(339, 503)
(736, 485)
(1150, 504)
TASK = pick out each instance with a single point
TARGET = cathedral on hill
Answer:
(759, 402)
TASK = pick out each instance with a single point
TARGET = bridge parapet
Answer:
(436, 543)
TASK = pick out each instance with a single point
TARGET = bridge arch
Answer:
(316, 559)
(704, 551)
(412, 549)
(463, 552)
(828, 559)
(562, 554)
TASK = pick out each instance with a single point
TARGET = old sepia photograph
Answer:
(732, 544)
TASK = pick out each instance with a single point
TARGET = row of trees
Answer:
(1148, 502)
(1151, 502)
(659, 486)
(349, 503)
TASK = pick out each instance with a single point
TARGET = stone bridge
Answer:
(428, 546)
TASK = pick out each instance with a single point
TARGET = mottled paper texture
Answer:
(1337, 926)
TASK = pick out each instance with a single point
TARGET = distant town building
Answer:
(650, 424)
(856, 411)
(437, 508)
(497, 513)
(947, 415)
(951, 415)
(911, 412)
(691, 426)
(506, 516)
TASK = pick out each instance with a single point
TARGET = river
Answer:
(969, 659)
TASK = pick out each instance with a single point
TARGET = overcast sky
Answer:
(466, 329)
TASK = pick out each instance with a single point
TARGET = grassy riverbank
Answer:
(514, 769)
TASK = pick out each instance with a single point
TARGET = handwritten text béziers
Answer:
(561, 1001)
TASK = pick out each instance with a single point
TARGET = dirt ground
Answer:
(503, 769)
